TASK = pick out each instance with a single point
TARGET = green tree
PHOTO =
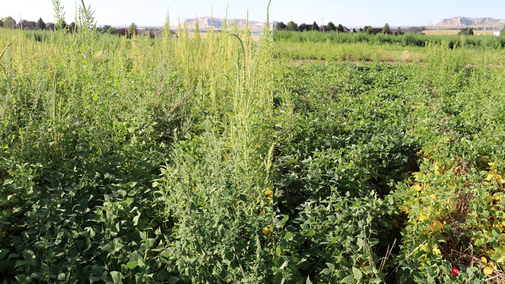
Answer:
(112, 31)
(386, 27)
(104, 29)
(340, 28)
(314, 26)
(281, 26)
(9, 22)
(369, 30)
(466, 31)
(132, 30)
(40, 25)
(331, 27)
(292, 26)
(72, 28)
(502, 31)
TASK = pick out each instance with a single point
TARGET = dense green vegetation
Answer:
(405, 40)
(223, 160)
(390, 172)
(135, 160)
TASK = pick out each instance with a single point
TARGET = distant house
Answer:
(376, 31)
(397, 31)
(160, 33)
(415, 31)
(400, 31)
(50, 26)
(28, 25)
(498, 33)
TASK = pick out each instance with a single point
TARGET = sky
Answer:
(348, 13)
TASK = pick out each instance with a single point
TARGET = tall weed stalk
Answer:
(217, 187)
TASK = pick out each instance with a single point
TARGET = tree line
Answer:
(331, 27)
(292, 26)
(11, 23)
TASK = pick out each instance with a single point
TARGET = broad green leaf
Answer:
(3, 253)
(357, 273)
(347, 280)
(173, 280)
(109, 247)
(117, 277)
(132, 264)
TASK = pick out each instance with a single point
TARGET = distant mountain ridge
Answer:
(207, 23)
(465, 22)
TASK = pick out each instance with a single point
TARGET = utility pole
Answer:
(322, 24)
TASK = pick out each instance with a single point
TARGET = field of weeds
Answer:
(227, 160)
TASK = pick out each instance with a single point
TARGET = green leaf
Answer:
(308, 280)
(173, 280)
(116, 276)
(499, 255)
(108, 247)
(347, 279)
(288, 236)
(132, 264)
(357, 273)
(20, 278)
(3, 253)
(19, 263)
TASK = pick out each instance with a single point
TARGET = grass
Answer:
(366, 52)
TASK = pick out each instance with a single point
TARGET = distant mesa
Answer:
(464, 22)
(208, 23)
